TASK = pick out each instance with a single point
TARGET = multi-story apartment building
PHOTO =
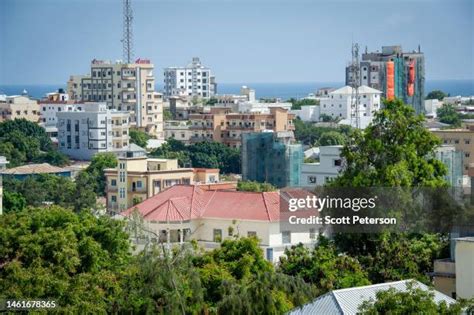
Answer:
(339, 104)
(462, 140)
(396, 73)
(177, 129)
(123, 87)
(194, 80)
(19, 107)
(266, 157)
(137, 178)
(93, 129)
(222, 125)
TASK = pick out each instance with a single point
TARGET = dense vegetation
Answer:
(84, 263)
(22, 141)
(449, 115)
(203, 154)
(309, 134)
(296, 104)
(255, 186)
(139, 137)
(436, 95)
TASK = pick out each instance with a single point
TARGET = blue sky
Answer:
(44, 41)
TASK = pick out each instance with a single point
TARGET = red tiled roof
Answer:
(186, 202)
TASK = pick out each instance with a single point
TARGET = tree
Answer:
(309, 134)
(23, 141)
(436, 94)
(139, 137)
(13, 202)
(412, 301)
(255, 186)
(167, 115)
(99, 162)
(326, 118)
(323, 266)
(395, 150)
(332, 138)
(447, 114)
(76, 259)
(296, 104)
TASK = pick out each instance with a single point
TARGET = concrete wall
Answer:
(465, 267)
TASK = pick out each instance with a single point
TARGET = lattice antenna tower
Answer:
(355, 84)
(127, 39)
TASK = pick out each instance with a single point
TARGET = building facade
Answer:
(462, 140)
(187, 212)
(223, 126)
(93, 129)
(138, 178)
(3, 166)
(123, 87)
(328, 167)
(266, 158)
(340, 105)
(177, 129)
(394, 72)
(19, 107)
(194, 80)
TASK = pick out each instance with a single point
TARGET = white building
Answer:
(329, 166)
(188, 212)
(308, 112)
(338, 105)
(464, 253)
(3, 165)
(93, 129)
(193, 80)
(124, 87)
(431, 106)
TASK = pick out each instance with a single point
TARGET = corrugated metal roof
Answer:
(347, 301)
(43, 168)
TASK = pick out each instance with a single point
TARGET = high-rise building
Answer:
(123, 87)
(268, 158)
(194, 80)
(93, 129)
(394, 72)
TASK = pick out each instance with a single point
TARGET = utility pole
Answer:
(127, 39)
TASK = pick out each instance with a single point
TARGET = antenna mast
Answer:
(127, 39)
(355, 83)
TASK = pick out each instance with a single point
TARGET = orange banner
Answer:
(390, 80)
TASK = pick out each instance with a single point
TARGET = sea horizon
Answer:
(282, 90)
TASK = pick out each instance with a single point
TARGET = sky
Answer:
(46, 41)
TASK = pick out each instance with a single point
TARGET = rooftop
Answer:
(43, 168)
(347, 301)
(186, 202)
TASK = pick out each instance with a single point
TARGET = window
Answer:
(286, 237)
(122, 192)
(113, 198)
(251, 234)
(312, 233)
(338, 162)
(217, 234)
(139, 184)
(113, 182)
(312, 179)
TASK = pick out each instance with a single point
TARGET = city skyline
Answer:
(241, 41)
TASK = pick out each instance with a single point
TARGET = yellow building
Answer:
(462, 140)
(18, 107)
(139, 178)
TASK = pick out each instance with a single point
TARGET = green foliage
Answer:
(332, 138)
(23, 141)
(139, 137)
(447, 114)
(412, 301)
(167, 115)
(436, 94)
(395, 150)
(45, 188)
(203, 154)
(327, 118)
(255, 186)
(296, 104)
(54, 253)
(323, 266)
(212, 101)
(309, 134)
(95, 170)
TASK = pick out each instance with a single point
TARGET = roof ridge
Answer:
(375, 285)
(266, 206)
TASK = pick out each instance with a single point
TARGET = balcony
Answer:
(129, 100)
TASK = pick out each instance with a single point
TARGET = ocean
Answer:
(265, 90)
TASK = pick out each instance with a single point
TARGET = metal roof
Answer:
(347, 301)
